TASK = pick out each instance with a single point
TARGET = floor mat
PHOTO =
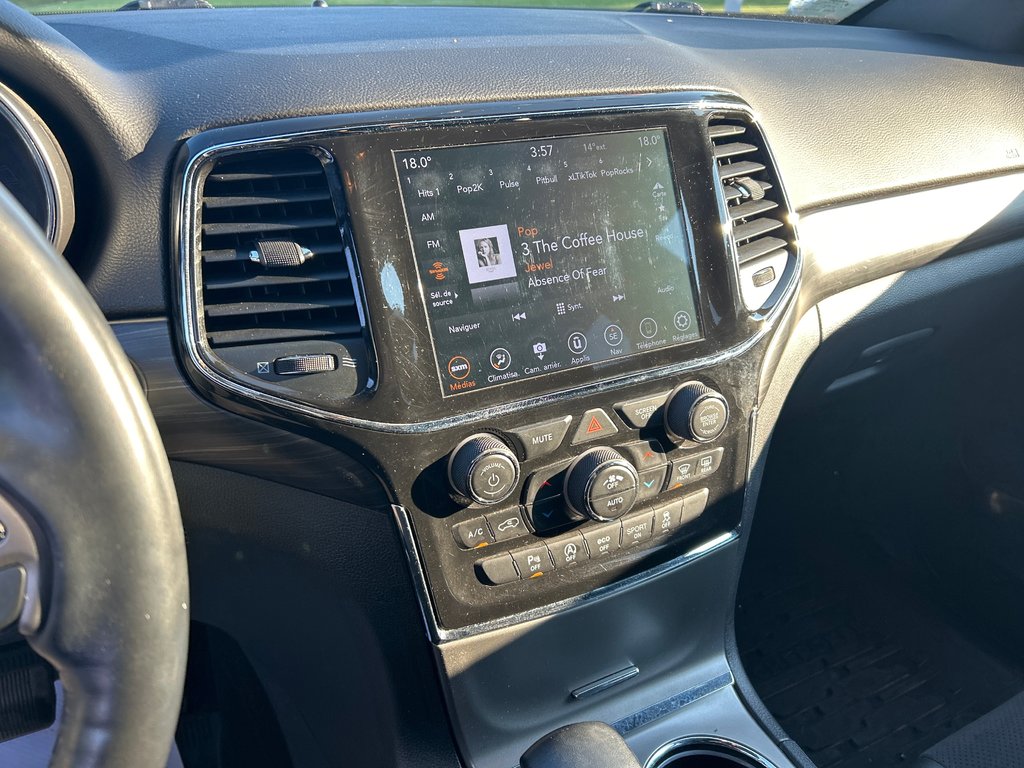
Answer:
(856, 667)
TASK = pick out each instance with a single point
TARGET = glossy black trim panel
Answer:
(405, 400)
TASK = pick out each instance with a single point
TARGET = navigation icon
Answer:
(500, 359)
(613, 335)
(577, 343)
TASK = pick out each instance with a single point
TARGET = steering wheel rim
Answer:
(90, 512)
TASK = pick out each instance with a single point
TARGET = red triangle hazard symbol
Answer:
(594, 426)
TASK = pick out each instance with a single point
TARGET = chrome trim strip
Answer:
(606, 682)
(54, 171)
(724, 744)
(439, 634)
(188, 255)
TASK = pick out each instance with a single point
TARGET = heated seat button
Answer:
(507, 524)
(567, 551)
(603, 540)
(497, 570)
(541, 439)
(471, 534)
(637, 528)
(640, 412)
(594, 425)
(532, 562)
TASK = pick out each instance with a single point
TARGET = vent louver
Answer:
(761, 230)
(272, 195)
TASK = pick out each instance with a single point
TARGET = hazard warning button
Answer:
(594, 425)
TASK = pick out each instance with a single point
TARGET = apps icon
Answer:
(577, 343)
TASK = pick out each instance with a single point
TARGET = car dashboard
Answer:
(485, 317)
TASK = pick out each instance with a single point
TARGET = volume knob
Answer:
(483, 469)
(696, 412)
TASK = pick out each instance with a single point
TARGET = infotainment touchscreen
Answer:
(540, 256)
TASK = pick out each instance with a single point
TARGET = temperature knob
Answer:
(483, 469)
(696, 412)
(601, 485)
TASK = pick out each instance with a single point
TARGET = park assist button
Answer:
(532, 562)
(541, 439)
(638, 413)
(594, 425)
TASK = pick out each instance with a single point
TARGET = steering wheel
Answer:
(92, 556)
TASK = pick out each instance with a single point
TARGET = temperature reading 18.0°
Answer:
(416, 162)
(649, 140)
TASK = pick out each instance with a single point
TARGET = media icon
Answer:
(459, 367)
(540, 349)
(682, 321)
(648, 328)
(500, 359)
(613, 335)
(577, 343)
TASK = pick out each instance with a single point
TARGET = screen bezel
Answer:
(689, 257)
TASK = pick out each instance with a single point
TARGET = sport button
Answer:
(594, 425)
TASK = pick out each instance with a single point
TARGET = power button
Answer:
(493, 478)
(483, 469)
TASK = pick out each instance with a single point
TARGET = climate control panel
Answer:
(564, 493)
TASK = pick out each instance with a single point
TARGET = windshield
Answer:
(833, 10)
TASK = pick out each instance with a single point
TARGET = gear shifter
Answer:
(580, 745)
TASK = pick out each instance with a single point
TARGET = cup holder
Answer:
(707, 752)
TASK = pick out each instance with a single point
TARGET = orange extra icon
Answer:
(438, 270)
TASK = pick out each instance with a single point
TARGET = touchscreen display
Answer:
(540, 256)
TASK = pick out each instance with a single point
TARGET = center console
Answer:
(540, 325)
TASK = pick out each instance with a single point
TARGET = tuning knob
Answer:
(696, 412)
(483, 469)
(600, 485)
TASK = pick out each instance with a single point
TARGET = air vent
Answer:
(273, 196)
(275, 279)
(761, 230)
